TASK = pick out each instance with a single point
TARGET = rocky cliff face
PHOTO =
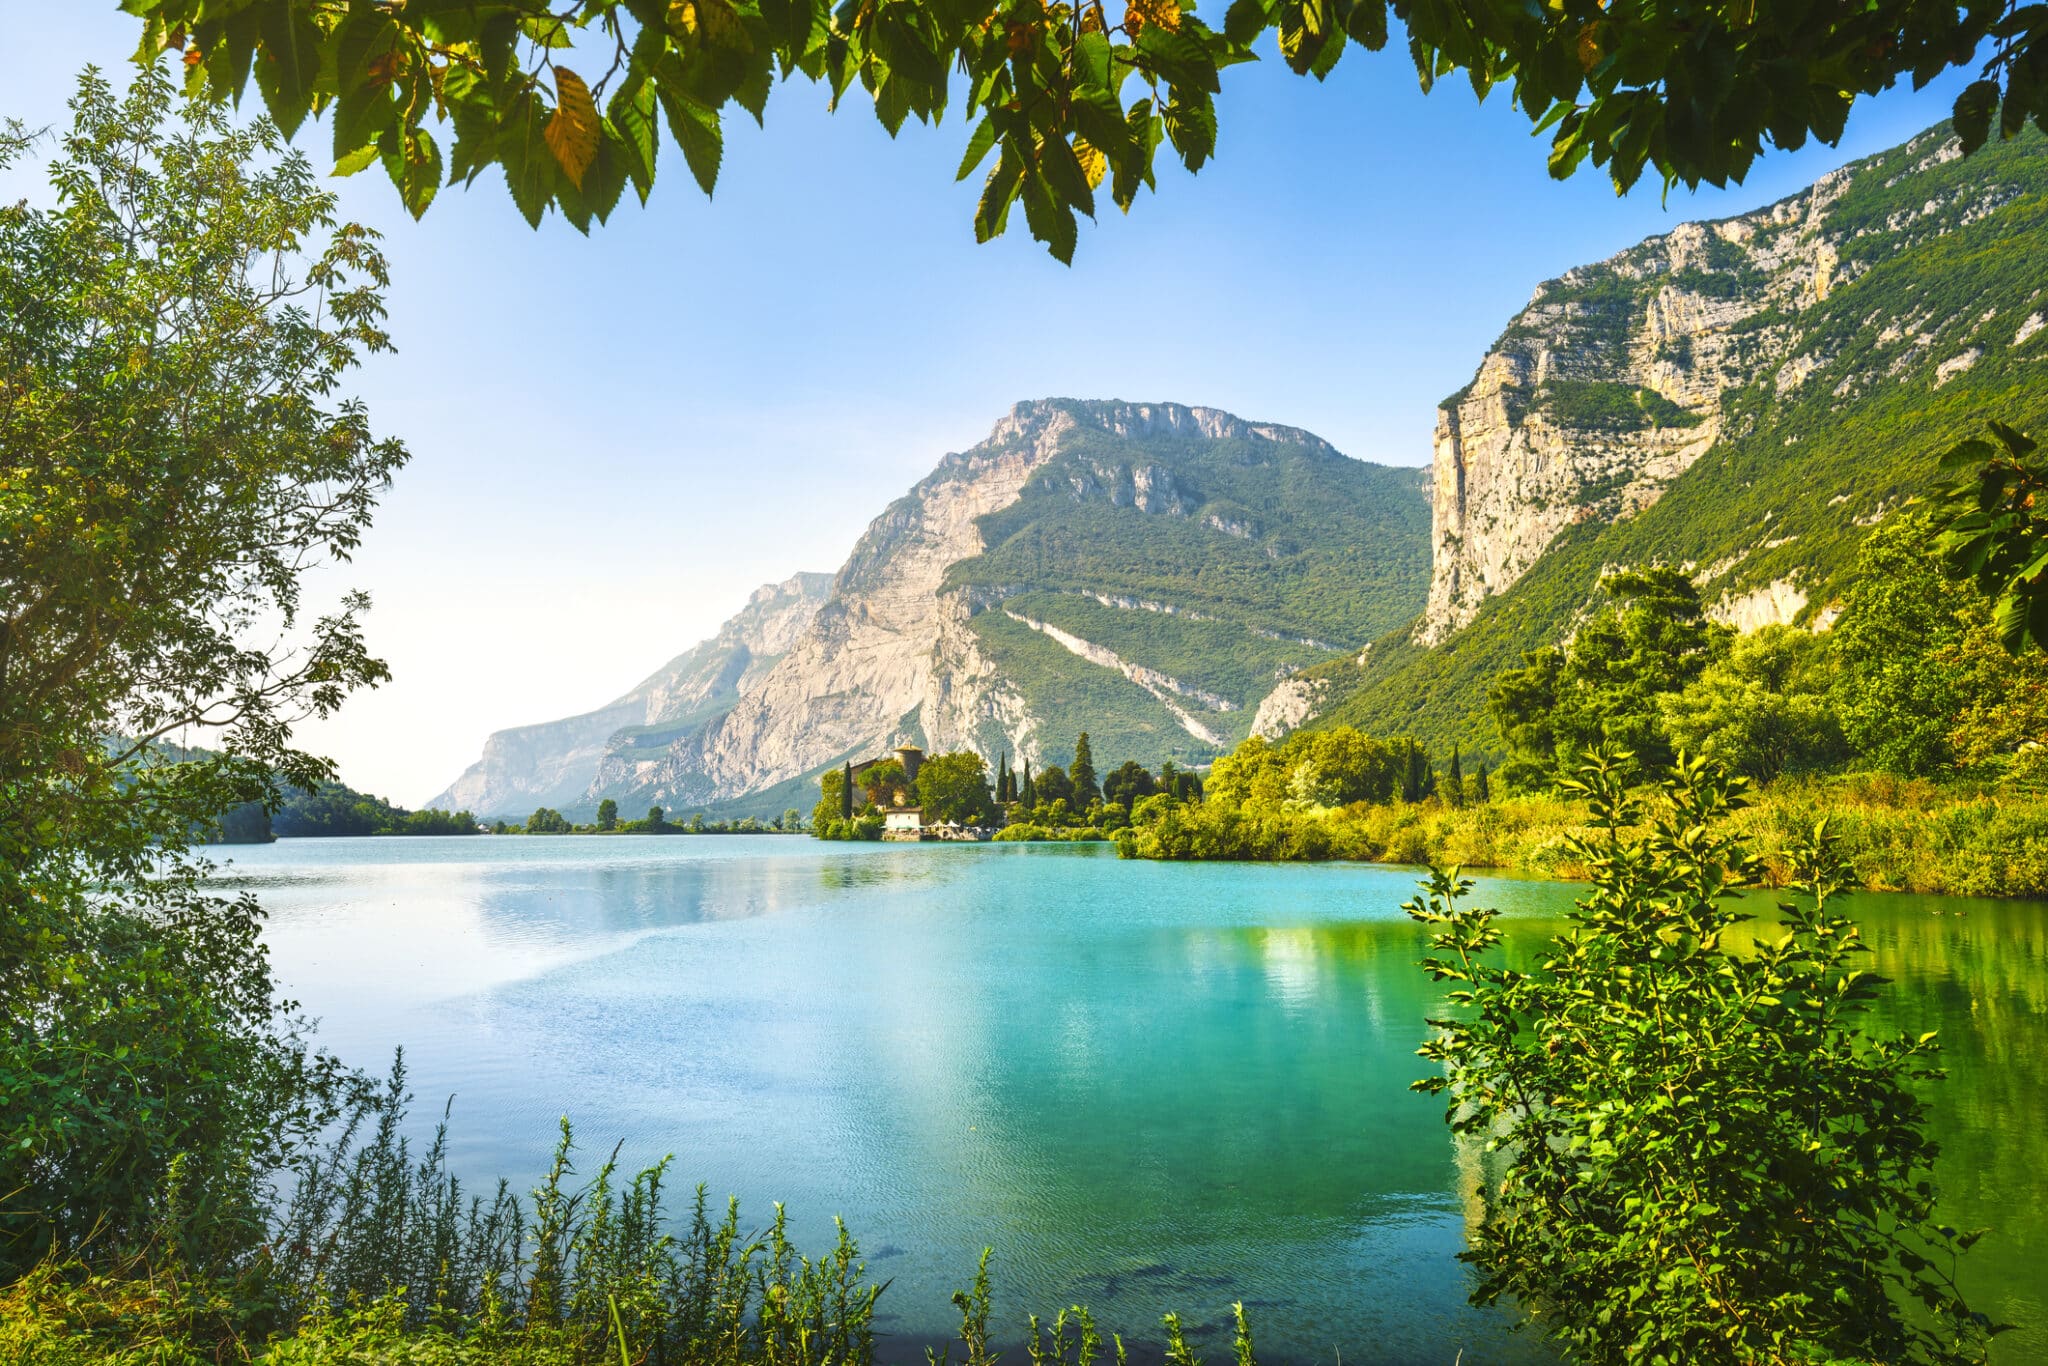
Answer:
(1744, 400)
(561, 763)
(1612, 382)
(861, 677)
(1146, 572)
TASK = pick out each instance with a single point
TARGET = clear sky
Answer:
(616, 438)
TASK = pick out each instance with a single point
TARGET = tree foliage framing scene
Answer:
(1058, 98)
(1713, 635)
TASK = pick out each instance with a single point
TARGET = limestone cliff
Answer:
(1148, 572)
(857, 680)
(906, 648)
(560, 763)
(1743, 399)
(1616, 377)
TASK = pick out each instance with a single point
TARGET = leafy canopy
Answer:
(174, 328)
(954, 787)
(1996, 529)
(1763, 710)
(1693, 1151)
(1061, 98)
(1652, 639)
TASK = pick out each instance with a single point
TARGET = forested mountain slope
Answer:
(1744, 398)
(1153, 582)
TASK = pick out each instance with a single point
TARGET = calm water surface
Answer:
(1147, 1086)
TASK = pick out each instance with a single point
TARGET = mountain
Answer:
(1745, 398)
(1147, 572)
(559, 763)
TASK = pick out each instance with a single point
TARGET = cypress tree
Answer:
(846, 793)
(1417, 781)
(1484, 795)
(1083, 773)
(1030, 795)
(1457, 793)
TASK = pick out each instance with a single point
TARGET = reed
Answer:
(379, 1253)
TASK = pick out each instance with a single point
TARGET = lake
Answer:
(1147, 1086)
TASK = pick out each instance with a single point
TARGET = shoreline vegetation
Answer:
(1894, 835)
(1908, 726)
(333, 809)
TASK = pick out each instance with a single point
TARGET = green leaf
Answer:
(1191, 128)
(498, 38)
(1180, 57)
(696, 130)
(1065, 177)
(413, 162)
(1093, 61)
(360, 159)
(998, 192)
(362, 114)
(291, 67)
(1245, 21)
(979, 142)
(1965, 455)
(605, 182)
(1972, 114)
(530, 170)
(632, 117)
(1051, 221)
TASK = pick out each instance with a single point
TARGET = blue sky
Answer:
(615, 438)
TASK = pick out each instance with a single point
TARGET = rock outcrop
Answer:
(862, 676)
(561, 763)
(1741, 400)
(1611, 383)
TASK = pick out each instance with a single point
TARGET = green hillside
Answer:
(1938, 260)
(1218, 563)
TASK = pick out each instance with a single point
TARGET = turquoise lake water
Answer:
(1146, 1086)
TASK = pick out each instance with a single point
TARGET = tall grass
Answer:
(379, 1254)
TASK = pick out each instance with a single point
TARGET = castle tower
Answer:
(910, 756)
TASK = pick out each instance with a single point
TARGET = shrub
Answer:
(1700, 1157)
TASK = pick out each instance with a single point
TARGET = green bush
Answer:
(1699, 1157)
(1027, 831)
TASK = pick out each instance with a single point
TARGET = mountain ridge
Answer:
(557, 763)
(941, 629)
(1743, 398)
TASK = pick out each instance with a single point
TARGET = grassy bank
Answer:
(1897, 835)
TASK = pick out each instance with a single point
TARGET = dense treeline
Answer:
(548, 821)
(1909, 718)
(1052, 803)
(333, 808)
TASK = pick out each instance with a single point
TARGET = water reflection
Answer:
(1147, 1086)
